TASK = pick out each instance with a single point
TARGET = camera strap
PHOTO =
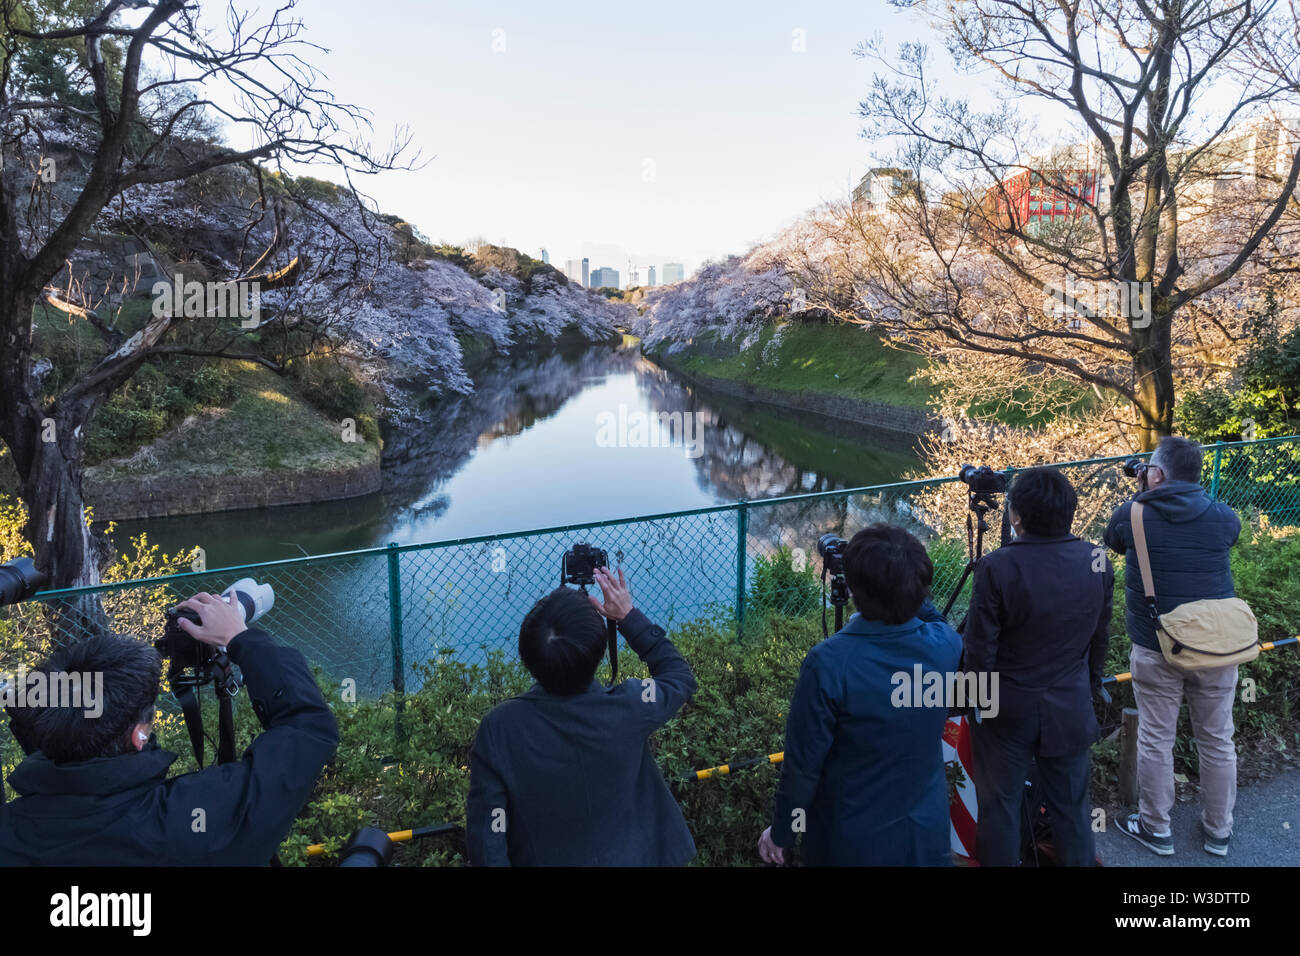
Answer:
(1144, 561)
(611, 628)
(227, 686)
(185, 689)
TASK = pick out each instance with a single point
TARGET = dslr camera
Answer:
(1135, 468)
(831, 549)
(19, 580)
(252, 599)
(983, 480)
(579, 564)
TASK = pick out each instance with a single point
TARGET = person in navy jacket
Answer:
(563, 774)
(863, 776)
(1189, 540)
(1039, 620)
(96, 790)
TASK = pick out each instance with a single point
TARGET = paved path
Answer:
(1266, 831)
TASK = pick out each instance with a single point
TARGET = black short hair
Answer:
(888, 572)
(1045, 501)
(1180, 459)
(561, 641)
(130, 669)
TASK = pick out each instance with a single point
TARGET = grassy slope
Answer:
(850, 361)
(268, 427)
(834, 359)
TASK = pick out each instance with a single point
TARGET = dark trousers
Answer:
(1002, 751)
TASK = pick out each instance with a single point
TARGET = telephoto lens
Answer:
(19, 580)
(253, 599)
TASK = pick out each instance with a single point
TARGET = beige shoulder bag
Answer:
(1199, 634)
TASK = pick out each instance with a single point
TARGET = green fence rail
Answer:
(377, 615)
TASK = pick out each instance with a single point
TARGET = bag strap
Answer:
(1144, 559)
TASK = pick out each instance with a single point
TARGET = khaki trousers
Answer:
(1159, 689)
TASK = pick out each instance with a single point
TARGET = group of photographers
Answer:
(564, 774)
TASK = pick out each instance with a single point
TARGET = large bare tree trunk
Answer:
(1154, 382)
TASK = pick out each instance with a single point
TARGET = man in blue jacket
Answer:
(563, 774)
(863, 777)
(1189, 537)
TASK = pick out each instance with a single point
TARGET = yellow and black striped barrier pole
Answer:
(728, 768)
(1266, 646)
(708, 773)
(398, 836)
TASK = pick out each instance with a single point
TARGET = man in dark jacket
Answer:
(1039, 619)
(96, 792)
(563, 774)
(1189, 537)
(863, 778)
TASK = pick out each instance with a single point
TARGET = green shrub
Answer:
(778, 587)
(332, 390)
(120, 427)
(212, 385)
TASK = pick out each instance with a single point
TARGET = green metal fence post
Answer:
(1218, 458)
(395, 629)
(742, 540)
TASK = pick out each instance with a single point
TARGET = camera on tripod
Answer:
(192, 663)
(579, 564)
(831, 549)
(984, 486)
(983, 480)
(19, 580)
(252, 599)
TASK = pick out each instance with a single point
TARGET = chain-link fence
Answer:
(375, 615)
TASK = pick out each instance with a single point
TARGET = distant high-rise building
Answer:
(673, 272)
(650, 277)
(604, 277)
(577, 270)
(880, 185)
(633, 276)
(546, 256)
(586, 266)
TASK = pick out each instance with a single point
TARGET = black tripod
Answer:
(839, 598)
(979, 505)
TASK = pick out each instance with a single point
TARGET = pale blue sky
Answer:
(660, 130)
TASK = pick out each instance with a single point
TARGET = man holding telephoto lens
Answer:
(94, 789)
(562, 775)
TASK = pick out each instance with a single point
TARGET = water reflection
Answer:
(522, 452)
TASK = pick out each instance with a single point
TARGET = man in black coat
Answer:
(96, 792)
(1189, 536)
(563, 774)
(1039, 620)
